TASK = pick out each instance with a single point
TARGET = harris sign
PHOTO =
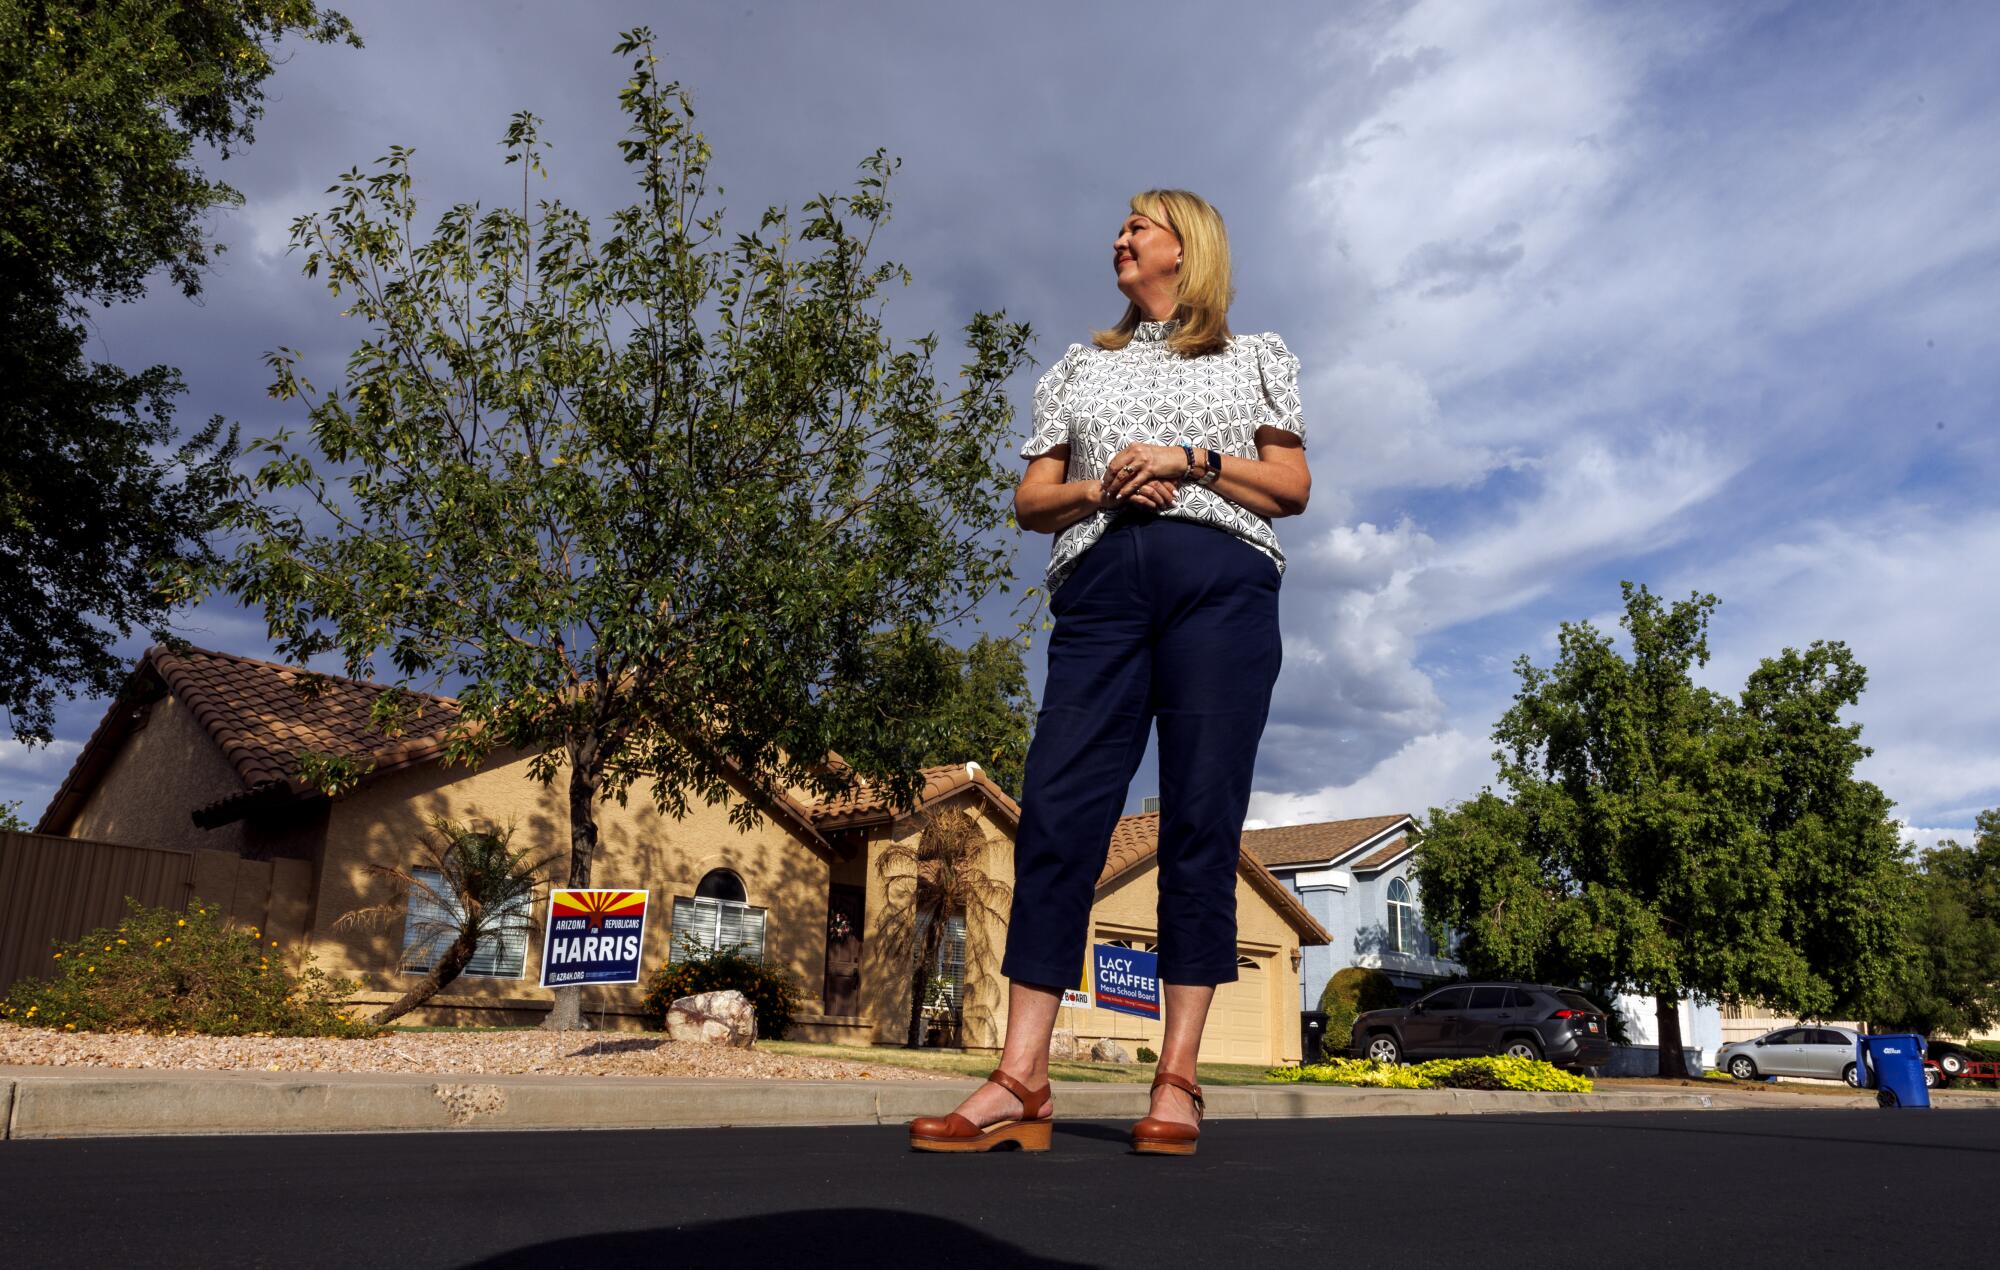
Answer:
(593, 937)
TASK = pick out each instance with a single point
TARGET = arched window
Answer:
(722, 884)
(716, 919)
(1402, 918)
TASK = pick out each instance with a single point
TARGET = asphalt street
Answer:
(1680, 1189)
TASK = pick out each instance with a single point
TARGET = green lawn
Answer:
(962, 1064)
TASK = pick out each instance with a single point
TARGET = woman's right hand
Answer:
(1154, 495)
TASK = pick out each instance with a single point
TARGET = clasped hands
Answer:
(1145, 475)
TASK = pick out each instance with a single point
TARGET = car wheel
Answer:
(1742, 1068)
(1382, 1048)
(1521, 1047)
(1953, 1064)
(1933, 1078)
(1851, 1075)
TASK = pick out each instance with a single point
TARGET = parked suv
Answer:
(1522, 1020)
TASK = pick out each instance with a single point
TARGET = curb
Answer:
(116, 1103)
(113, 1102)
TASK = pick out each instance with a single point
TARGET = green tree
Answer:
(666, 501)
(483, 894)
(978, 706)
(1658, 837)
(107, 105)
(1949, 980)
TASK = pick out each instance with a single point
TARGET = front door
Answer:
(844, 905)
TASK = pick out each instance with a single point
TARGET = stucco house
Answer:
(1354, 877)
(202, 751)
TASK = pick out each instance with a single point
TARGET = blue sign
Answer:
(593, 937)
(1128, 980)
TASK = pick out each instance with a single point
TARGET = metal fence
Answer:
(57, 889)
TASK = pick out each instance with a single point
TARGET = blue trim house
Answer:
(1354, 877)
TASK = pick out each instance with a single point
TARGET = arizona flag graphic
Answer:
(593, 937)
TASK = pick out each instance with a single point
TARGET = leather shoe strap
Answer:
(1183, 1084)
(1032, 1100)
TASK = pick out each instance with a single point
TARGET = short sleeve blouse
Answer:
(1097, 401)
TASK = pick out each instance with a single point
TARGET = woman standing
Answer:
(1160, 455)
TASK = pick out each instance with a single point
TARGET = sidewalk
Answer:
(102, 1102)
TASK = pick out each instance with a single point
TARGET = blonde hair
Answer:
(1203, 289)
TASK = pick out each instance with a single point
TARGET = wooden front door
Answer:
(844, 905)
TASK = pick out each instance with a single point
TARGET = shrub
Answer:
(165, 971)
(1146, 1055)
(1351, 992)
(770, 989)
(1527, 1074)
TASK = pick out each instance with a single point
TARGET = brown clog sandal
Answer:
(955, 1133)
(1170, 1137)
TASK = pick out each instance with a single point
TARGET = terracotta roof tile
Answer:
(1310, 844)
(263, 717)
(865, 804)
(1135, 840)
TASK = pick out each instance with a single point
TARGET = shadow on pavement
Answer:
(816, 1237)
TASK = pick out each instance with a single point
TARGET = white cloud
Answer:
(1429, 771)
(26, 763)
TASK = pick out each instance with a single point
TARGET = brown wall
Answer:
(638, 847)
(163, 771)
(58, 889)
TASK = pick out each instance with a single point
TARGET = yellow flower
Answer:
(107, 947)
(156, 943)
(93, 970)
(182, 922)
(121, 941)
(274, 943)
(58, 956)
(69, 1027)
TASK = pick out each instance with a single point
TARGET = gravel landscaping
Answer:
(485, 1053)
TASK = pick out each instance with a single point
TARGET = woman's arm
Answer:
(1275, 483)
(1046, 503)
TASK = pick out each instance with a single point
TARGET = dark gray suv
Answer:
(1524, 1020)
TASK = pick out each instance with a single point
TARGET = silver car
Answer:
(1810, 1049)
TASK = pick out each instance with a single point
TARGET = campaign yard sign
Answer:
(1128, 980)
(1079, 996)
(593, 937)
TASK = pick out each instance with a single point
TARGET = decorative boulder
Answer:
(1109, 1051)
(1062, 1046)
(713, 1018)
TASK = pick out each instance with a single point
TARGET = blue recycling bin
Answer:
(1893, 1066)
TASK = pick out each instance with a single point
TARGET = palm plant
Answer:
(483, 893)
(937, 878)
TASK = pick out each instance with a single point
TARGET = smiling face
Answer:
(1146, 255)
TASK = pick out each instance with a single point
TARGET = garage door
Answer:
(1239, 1020)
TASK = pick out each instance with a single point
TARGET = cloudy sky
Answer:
(1696, 295)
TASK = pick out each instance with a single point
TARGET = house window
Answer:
(716, 918)
(1402, 918)
(429, 929)
(945, 995)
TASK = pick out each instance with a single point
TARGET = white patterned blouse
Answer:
(1097, 401)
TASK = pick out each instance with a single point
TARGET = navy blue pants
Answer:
(1168, 621)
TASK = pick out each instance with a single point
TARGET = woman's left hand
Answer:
(1137, 465)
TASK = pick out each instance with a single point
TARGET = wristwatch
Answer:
(1214, 468)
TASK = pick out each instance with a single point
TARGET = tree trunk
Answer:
(567, 1013)
(921, 982)
(448, 968)
(1673, 1061)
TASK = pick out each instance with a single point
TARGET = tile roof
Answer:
(264, 715)
(1135, 840)
(1312, 844)
(863, 804)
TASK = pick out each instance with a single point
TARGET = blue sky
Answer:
(1696, 295)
